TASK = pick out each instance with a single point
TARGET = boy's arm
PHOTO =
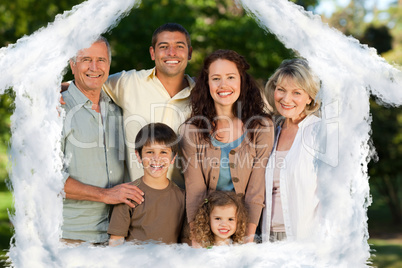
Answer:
(116, 240)
(119, 224)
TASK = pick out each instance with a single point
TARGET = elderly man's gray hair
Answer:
(100, 39)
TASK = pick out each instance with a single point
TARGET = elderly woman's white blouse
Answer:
(298, 184)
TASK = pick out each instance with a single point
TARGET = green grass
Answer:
(387, 254)
(387, 249)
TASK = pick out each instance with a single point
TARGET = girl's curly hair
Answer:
(201, 231)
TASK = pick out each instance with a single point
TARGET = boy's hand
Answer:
(116, 240)
(123, 193)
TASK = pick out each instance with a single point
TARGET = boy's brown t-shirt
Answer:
(160, 217)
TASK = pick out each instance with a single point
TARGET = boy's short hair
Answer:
(156, 133)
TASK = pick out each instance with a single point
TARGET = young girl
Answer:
(220, 220)
(228, 138)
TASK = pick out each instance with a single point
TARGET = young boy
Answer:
(161, 216)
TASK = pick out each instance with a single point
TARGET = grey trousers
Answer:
(277, 236)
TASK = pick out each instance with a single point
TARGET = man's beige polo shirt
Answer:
(144, 100)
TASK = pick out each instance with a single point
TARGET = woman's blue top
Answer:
(225, 179)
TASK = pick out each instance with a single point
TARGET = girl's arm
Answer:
(116, 240)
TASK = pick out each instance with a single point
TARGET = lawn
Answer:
(388, 252)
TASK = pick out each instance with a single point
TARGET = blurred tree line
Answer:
(215, 24)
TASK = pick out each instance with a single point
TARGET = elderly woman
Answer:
(227, 140)
(291, 178)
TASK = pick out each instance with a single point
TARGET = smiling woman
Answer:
(291, 176)
(228, 137)
(224, 84)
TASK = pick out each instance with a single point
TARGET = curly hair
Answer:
(201, 231)
(250, 107)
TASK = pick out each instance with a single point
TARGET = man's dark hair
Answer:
(156, 133)
(170, 27)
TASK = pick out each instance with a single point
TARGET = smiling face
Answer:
(224, 83)
(291, 100)
(156, 159)
(223, 223)
(171, 54)
(91, 68)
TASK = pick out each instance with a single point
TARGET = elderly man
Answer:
(160, 94)
(93, 145)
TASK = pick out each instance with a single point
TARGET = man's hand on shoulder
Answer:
(64, 87)
(123, 193)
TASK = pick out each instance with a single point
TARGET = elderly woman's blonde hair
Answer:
(298, 70)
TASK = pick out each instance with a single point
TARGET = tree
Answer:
(385, 174)
(350, 20)
(395, 21)
(378, 37)
(6, 107)
(19, 18)
(22, 17)
(212, 25)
